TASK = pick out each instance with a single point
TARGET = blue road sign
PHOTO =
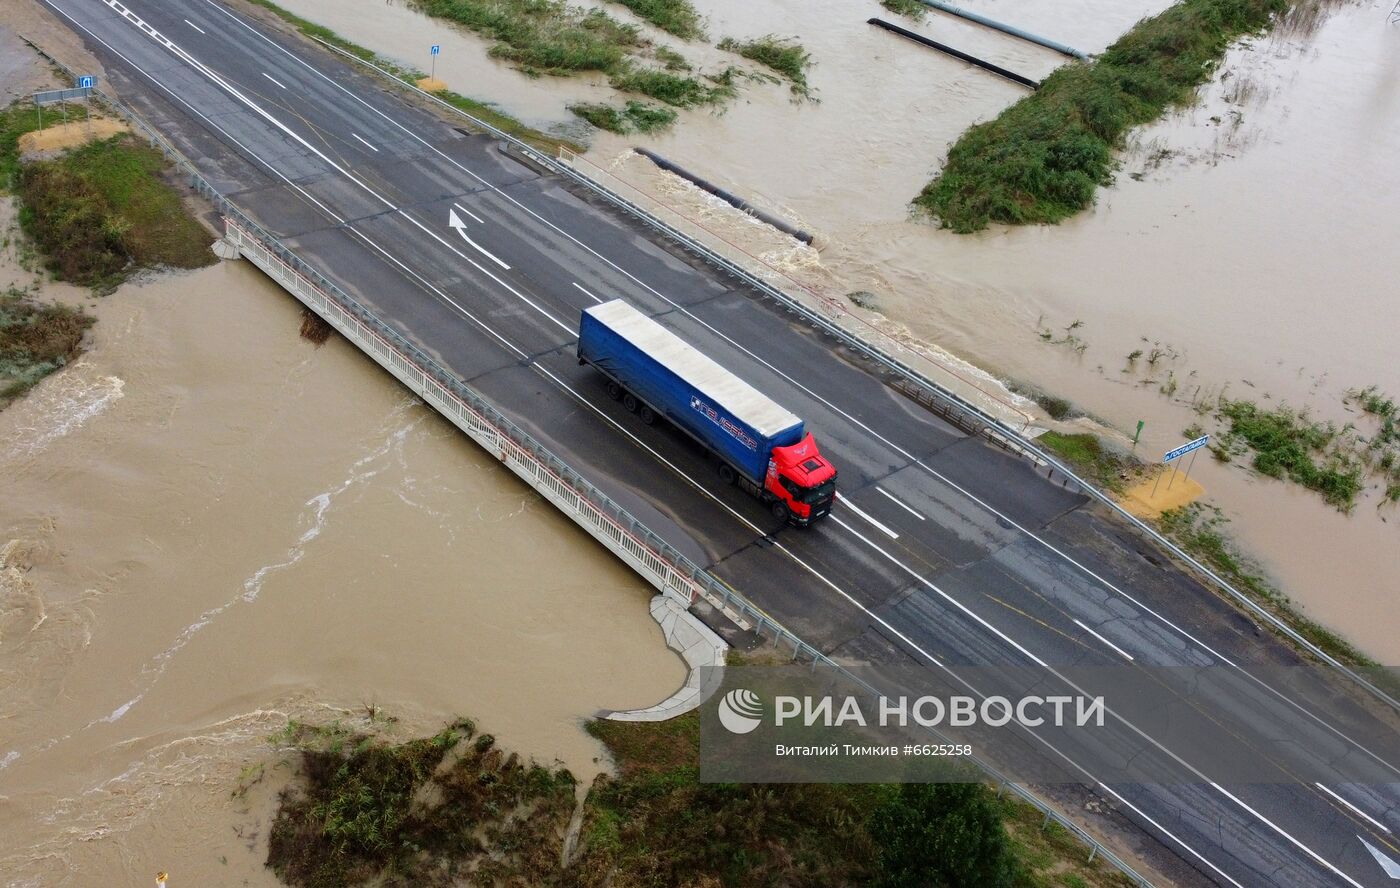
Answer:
(1186, 448)
(87, 81)
(436, 49)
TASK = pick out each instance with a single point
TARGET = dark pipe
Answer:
(731, 199)
(972, 60)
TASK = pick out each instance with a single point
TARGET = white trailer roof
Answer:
(729, 391)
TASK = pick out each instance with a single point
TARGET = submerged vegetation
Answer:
(1285, 443)
(781, 54)
(908, 8)
(673, 16)
(1042, 159)
(633, 117)
(454, 808)
(35, 340)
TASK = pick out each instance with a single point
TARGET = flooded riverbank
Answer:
(1244, 235)
(210, 526)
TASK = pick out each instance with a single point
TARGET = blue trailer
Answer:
(759, 445)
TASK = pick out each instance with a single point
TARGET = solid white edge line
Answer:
(1355, 810)
(357, 138)
(470, 213)
(588, 294)
(897, 502)
(193, 25)
(876, 524)
(1081, 625)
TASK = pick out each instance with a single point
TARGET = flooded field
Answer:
(210, 526)
(1245, 235)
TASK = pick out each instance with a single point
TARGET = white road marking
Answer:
(1388, 866)
(470, 213)
(628, 274)
(274, 80)
(586, 293)
(1355, 810)
(889, 496)
(459, 226)
(1012, 643)
(357, 138)
(846, 501)
(193, 25)
(1101, 638)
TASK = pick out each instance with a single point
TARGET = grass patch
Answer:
(454, 809)
(35, 340)
(633, 117)
(781, 54)
(15, 121)
(1091, 458)
(678, 90)
(912, 9)
(102, 211)
(677, 17)
(481, 110)
(1042, 159)
(444, 809)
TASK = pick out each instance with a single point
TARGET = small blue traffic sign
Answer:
(87, 81)
(436, 49)
(1186, 448)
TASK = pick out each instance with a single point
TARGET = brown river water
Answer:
(209, 526)
(1249, 235)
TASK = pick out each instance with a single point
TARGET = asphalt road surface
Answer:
(944, 556)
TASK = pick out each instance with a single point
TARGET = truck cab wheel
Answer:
(727, 474)
(614, 391)
(647, 414)
(780, 510)
(630, 401)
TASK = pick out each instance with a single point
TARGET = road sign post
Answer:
(432, 74)
(1189, 447)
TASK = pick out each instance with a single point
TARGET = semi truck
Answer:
(758, 445)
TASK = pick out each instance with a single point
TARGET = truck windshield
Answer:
(819, 494)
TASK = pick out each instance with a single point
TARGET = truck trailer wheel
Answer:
(614, 390)
(630, 401)
(727, 473)
(647, 414)
(780, 510)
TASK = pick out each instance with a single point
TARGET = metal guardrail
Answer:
(908, 379)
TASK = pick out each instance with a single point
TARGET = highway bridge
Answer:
(945, 556)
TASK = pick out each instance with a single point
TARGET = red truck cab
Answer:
(802, 479)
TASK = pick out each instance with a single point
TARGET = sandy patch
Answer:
(69, 135)
(1141, 501)
(431, 84)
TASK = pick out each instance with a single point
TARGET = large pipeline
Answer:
(957, 54)
(731, 199)
(1004, 28)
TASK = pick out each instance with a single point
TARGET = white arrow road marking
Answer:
(1390, 867)
(456, 222)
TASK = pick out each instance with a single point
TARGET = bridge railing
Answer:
(656, 560)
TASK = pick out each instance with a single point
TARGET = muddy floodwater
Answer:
(209, 526)
(1248, 236)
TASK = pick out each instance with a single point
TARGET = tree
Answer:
(942, 835)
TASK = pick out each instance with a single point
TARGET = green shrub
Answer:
(674, 16)
(783, 55)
